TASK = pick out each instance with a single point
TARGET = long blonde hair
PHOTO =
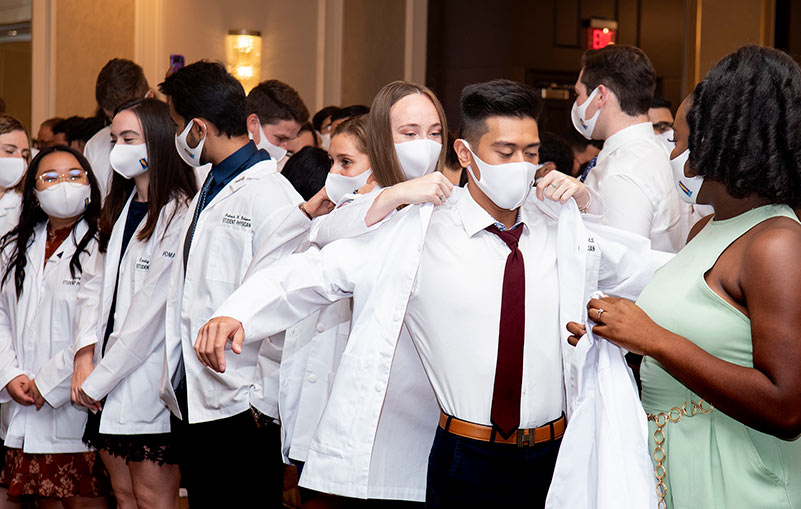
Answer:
(380, 145)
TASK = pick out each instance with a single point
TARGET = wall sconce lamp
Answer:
(243, 57)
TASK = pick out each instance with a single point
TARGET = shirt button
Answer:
(397, 317)
(379, 387)
(115, 317)
(320, 327)
(312, 378)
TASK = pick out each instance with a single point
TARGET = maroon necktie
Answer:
(505, 413)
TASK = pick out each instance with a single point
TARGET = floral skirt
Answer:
(61, 475)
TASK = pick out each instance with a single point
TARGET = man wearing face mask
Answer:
(275, 114)
(615, 89)
(245, 215)
(484, 288)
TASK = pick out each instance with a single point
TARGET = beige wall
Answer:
(372, 47)
(331, 51)
(197, 29)
(15, 80)
(84, 44)
(716, 28)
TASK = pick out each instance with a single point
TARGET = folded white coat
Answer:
(604, 460)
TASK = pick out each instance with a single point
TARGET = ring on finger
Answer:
(554, 186)
(441, 196)
(600, 312)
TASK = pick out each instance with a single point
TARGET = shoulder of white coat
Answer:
(259, 170)
(96, 142)
(271, 190)
(451, 205)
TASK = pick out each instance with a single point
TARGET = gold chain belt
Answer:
(673, 415)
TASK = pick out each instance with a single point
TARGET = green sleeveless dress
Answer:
(711, 460)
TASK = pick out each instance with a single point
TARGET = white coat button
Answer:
(312, 378)
(398, 315)
(379, 387)
(320, 327)
(115, 317)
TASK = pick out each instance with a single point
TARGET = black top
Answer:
(136, 212)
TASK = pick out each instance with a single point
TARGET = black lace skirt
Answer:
(156, 447)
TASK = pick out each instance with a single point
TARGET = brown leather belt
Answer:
(521, 438)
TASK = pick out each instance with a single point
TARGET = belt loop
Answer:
(492, 435)
(448, 422)
(553, 435)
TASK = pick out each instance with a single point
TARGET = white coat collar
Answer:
(255, 172)
(475, 218)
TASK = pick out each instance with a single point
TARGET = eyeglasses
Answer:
(52, 176)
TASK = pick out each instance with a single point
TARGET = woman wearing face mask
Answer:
(121, 323)
(15, 154)
(718, 324)
(43, 260)
(404, 134)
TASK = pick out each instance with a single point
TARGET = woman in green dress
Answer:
(720, 324)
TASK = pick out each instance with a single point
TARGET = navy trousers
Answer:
(463, 472)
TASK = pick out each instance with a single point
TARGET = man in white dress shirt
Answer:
(497, 375)
(119, 81)
(615, 88)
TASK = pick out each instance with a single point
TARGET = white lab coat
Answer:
(254, 219)
(311, 354)
(97, 151)
(378, 270)
(312, 348)
(10, 207)
(605, 447)
(128, 375)
(36, 339)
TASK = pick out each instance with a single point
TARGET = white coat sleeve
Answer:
(275, 298)
(9, 367)
(347, 220)
(87, 306)
(143, 330)
(627, 261)
(280, 229)
(58, 369)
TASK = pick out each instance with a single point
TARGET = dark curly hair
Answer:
(745, 125)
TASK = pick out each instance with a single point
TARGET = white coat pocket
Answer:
(230, 252)
(70, 422)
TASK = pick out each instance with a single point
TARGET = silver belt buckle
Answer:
(525, 437)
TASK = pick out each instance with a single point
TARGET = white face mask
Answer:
(11, 171)
(664, 138)
(338, 186)
(65, 199)
(584, 125)
(191, 156)
(276, 153)
(129, 160)
(325, 141)
(507, 185)
(687, 187)
(418, 157)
